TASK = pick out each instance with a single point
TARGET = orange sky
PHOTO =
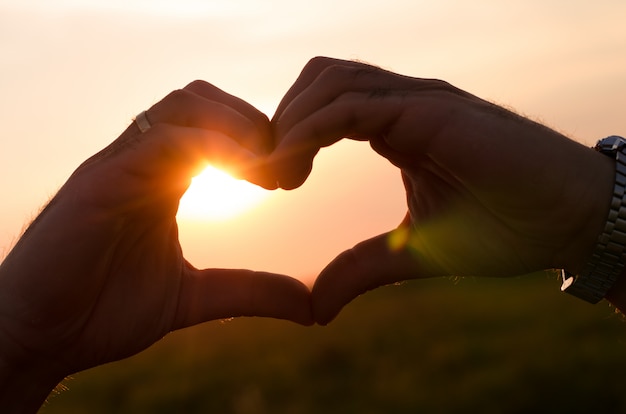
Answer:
(75, 72)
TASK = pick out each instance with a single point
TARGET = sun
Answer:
(216, 195)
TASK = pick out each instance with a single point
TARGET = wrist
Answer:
(604, 264)
(592, 201)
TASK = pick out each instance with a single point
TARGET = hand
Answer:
(100, 275)
(489, 193)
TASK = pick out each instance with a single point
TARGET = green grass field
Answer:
(435, 346)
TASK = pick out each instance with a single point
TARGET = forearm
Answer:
(26, 380)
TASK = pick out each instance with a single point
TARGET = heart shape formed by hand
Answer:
(470, 171)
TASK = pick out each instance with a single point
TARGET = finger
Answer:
(264, 175)
(333, 100)
(162, 161)
(352, 115)
(201, 105)
(375, 262)
(222, 293)
(212, 92)
(325, 81)
(309, 74)
(258, 119)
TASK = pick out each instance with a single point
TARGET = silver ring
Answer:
(142, 122)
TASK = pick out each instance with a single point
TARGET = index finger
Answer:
(309, 73)
(323, 81)
(202, 105)
(330, 101)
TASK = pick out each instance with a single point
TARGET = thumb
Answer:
(224, 293)
(368, 265)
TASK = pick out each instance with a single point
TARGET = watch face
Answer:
(610, 145)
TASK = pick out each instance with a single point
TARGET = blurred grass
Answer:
(433, 346)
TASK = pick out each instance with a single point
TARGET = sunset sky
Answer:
(74, 73)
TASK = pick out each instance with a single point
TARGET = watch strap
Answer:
(607, 260)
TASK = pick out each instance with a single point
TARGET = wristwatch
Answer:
(607, 261)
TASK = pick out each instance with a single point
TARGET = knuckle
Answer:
(357, 74)
(203, 88)
(325, 68)
(161, 111)
(176, 97)
(441, 86)
(338, 76)
(198, 83)
(319, 62)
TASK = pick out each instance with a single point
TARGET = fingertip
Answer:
(289, 184)
(305, 319)
(325, 306)
(324, 313)
(333, 289)
(325, 320)
(260, 175)
(286, 298)
(306, 322)
(301, 303)
(290, 172)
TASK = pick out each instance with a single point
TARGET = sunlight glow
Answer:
(216, 195)
(167, 8)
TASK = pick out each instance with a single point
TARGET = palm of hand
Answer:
(116, 269)
(480, 204)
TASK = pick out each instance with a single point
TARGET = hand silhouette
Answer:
(100, 274)
(489, 193)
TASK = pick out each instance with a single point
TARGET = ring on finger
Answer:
(142, 122)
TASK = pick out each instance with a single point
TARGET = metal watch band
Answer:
(607, 261)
